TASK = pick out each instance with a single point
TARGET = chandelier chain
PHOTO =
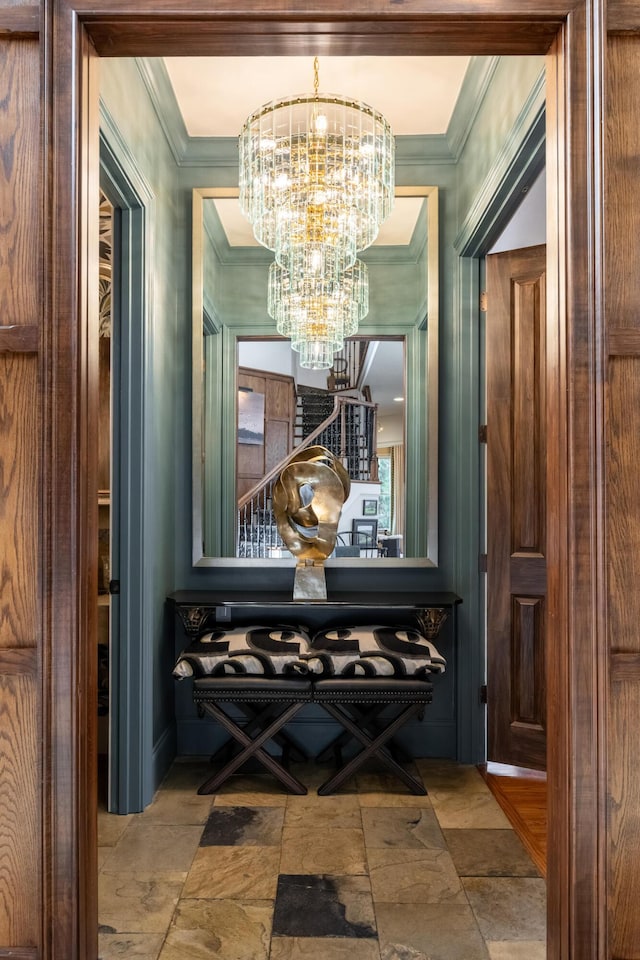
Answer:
(316, 76)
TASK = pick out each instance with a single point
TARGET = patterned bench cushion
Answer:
(375, 651)
(252, 651)
(367, 651)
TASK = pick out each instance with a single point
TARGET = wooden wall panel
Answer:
(622, 200)
(623, 504)
(20, 176)
(20, 899)
(19, 512)
(623, 15)
(624, 791)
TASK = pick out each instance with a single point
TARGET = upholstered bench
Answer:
(354, 673)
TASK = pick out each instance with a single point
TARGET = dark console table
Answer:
(355, 702)
(199, 609)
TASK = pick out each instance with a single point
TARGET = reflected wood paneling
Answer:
(19, 497)
(20, 900)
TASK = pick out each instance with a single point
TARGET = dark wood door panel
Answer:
(516, 512)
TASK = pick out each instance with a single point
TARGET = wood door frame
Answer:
(572, 33)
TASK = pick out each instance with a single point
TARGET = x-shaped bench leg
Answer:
(372, 748)
(256, 720)
(253, 748)
(366, 719)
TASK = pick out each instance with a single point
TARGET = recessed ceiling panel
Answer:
(216, 94)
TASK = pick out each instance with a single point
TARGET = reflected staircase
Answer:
(342, 419)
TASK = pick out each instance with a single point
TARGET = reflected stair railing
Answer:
(349, 433)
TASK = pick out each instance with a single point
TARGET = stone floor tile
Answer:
(324, 948)
(419, 931)
(313, 775)
(249, 826)
(336, 852)
(401, 827)
(475, 810)
(413, 876)
(129, 946)
(448, 775)
(154, 850)
(514, 950)
(385, 790)
(223, 929)
(254, 790)
(111, 826)
(323, 813)
(178, 807)
(186, 774)
(233, 873)
(508, 908)
(489, 853)
(324, 906)
(127, 905)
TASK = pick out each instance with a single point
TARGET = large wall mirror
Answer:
(377, 408)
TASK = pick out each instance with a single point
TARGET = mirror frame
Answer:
(421, 413)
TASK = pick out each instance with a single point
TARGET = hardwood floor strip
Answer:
(522, 795)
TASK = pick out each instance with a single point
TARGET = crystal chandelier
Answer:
(316, 182)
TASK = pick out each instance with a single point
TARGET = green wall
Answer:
(456, 715)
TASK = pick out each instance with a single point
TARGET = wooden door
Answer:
(516, 507)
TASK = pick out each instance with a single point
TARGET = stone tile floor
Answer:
(371, 873)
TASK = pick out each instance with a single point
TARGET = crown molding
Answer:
(441, 148)
(475, 84)
(517, 166)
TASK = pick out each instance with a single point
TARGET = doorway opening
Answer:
(575, 260)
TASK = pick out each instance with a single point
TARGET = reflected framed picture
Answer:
(250, 416)
(364, 532)
(369, 508)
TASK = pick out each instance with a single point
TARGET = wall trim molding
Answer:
(517, 166)
(164, 752)
(131, 676)
(475, 84)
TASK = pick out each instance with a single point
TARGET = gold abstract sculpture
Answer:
(307, 503)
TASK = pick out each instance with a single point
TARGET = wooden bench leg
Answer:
(253, 747)
(256, 720)
(372, 748)
(366, 719)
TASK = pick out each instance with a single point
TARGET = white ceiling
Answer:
(217, 94)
